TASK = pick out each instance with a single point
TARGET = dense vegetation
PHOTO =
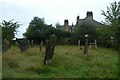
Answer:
(68, 62)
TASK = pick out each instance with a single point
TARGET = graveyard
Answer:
(68, 62)
(52, 44)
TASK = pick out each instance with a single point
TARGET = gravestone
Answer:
(28, 41)
(32, 43)
(23, 45)
(47, 51)
(111, 41)
(41, 44)
(78, 42)
(86, 45)
(5, 45)
(93, 45)
(50, 47)
(67, 41)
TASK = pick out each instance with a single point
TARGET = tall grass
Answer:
(67, 62)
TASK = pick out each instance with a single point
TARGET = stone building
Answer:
(87, 20)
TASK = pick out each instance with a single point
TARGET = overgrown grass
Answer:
(68, 62)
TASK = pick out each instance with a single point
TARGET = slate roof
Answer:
(89, 22)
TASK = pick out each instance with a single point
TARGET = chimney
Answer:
(77, 19)
(66, 25)
(66, 22)
(89, 15)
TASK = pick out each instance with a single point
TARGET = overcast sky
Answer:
(53, 11)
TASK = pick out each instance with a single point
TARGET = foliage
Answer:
(112, 15)
(103, 34)
(9, 29)
(59, 26)
(38, 30)
(82, 30)
(118, 35)
(67, 62)
(35, 29)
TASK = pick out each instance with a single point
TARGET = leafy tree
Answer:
(112, 16)
(9, 29)
(59, 26)
(103, 34)
(82, 30)
(118, 35)
(112, 20)
(38, 30)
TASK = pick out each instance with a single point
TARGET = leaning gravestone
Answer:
(23, 45)
(5, 45)
(47, 51)
(50, 47)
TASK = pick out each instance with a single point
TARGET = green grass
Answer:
(68, 62)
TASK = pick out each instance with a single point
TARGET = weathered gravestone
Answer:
(93, 45)
(32, 43)
(86, 45)
(50, 47)
(67, 41)
(111, 41)
(78, 42)
(23, 45)
(5, 45)
(41, 44)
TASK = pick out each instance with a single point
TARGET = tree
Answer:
(118, 31)
(82, 30)
(59, 26)
(35, 30)
(112, 16)
(112, 20)
(9, 29)
(39, 31)
(104, 35)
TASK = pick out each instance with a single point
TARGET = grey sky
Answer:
(52, 10)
